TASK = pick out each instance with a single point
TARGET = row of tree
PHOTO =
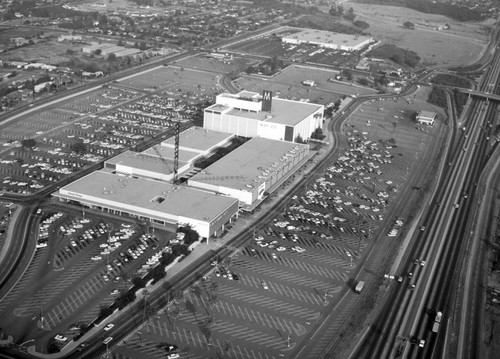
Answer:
(398, 55)
(338, 11)
(455, 11)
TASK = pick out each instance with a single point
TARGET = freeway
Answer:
(408, 315)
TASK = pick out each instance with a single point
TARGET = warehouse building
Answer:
(147, 199)
(250, 114)
(252, 169)
(328, 39)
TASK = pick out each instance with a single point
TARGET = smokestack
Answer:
(267, 100)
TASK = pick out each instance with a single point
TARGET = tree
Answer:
(299, 139)
(363, 81)
(112, 57)
(28, 143)
(79, 147)
(361, 24)
(350, 15)
(98, 52)
(347, 74)
(318, 133)
(409, 25)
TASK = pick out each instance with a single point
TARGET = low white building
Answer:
(426, 118)
(328, 39)
(152, 200)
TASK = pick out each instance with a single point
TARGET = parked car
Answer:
(60, 337)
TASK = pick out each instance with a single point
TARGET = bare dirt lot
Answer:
(463, 43)
(288, 84)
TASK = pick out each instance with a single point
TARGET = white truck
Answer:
(359, 286)
(437, 322)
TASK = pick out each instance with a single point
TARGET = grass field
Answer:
(49, 52)
(201, 62)
(462, 44)
(288, 84)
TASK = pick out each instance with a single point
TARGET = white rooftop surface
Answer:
(168, 153)
(242, 166)
(327, 37)
(141, 161)
(198, 138)
(124, 192)
(427, 114)
(286, 112)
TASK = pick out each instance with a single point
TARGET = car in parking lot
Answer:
(60, 337)
(274, 256)
(169, 348)
(298, 249)
(421, 343)
(264, 285)
(108, 327)
(422, 228)
(173, 356)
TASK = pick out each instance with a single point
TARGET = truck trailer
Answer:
(359, 286)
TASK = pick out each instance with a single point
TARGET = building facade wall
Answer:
(231, 124)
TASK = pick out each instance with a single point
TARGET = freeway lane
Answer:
(20, 249)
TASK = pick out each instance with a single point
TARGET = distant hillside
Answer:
(456, 12)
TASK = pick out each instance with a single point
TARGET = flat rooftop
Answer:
(168, 153)
(146, 196)
(242, 167)
(428, 114)
(285, 112)
(143, 161)
(327, 37)
(198, 139)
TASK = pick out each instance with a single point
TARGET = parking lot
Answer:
(81, 264)
(262, 301)
(100, 123)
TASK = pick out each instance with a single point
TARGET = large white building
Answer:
(148, 199)
(250, 114)
(328, 39)
(252, 169)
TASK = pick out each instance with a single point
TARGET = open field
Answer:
(174, 77)
(463, 43)
(236, 64)
(49, 52)
(288, 84)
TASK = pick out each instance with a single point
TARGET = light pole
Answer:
(288, 340)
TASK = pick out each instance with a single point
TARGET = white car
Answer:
(108, 327)
(60, 338)
(264, 285)
(274, 256)
(173, 356)
(421, 343)
(281, 249)
(107, 340)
